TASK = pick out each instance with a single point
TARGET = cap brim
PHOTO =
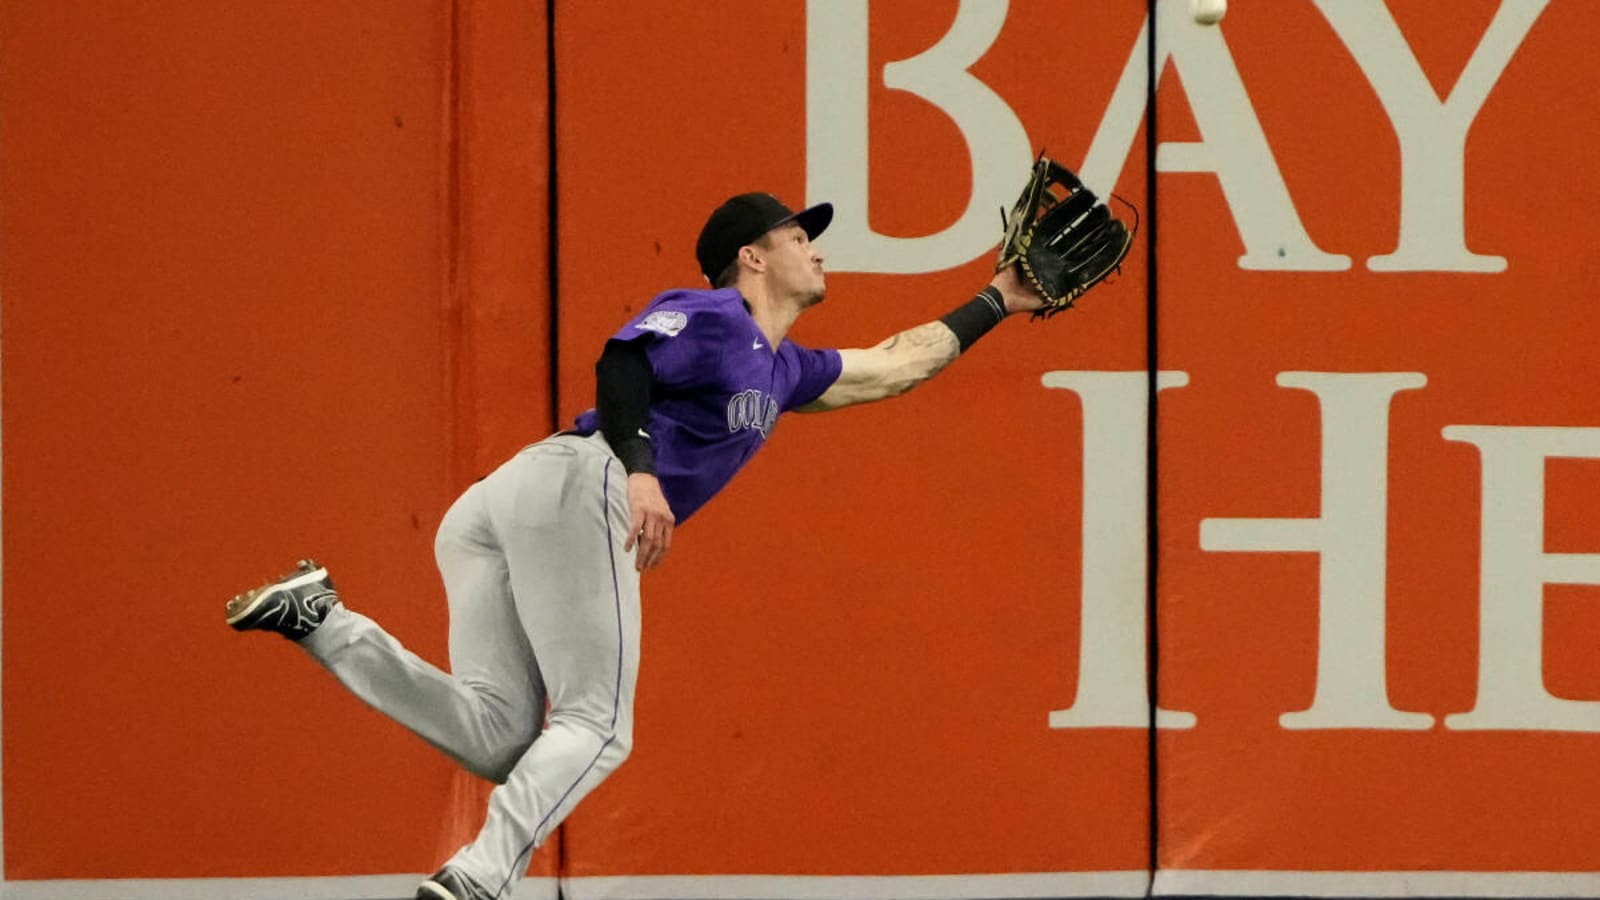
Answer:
(813, 219)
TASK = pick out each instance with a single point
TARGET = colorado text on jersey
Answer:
(752, 408)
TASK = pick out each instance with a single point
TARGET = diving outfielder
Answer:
(541, 560)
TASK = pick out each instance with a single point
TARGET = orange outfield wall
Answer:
(1489, 322)
(881, 650)
(854, 661)
(248, 315)
(849, 661)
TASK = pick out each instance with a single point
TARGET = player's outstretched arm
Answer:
(905, 360)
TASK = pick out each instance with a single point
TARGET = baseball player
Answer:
(541, 560)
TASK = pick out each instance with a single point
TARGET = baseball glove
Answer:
(1061, 236)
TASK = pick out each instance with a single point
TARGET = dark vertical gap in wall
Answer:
(1152, 449)
(458, 347)
(554, 264)
(555, 221)
(553, 200)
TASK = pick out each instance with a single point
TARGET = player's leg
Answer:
(578, 597)
(487, 713)
(489, 652)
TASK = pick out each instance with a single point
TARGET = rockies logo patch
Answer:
(664, 321)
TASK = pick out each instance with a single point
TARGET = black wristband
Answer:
(973, 319)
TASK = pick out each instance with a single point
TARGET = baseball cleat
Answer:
(451, 884)
(292, 606)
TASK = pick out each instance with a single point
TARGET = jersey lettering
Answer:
(752, 408)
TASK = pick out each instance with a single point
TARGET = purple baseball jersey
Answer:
(719, 389)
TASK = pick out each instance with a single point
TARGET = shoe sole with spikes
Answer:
(292, 606)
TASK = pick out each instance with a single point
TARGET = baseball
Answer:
(1208, 12)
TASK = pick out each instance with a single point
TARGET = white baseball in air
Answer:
(1208, 12)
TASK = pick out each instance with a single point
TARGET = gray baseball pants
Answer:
(544, 606)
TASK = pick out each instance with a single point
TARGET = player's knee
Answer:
(497, 768)
(613, 753)
(611, 737)
(500, 740)
(621, 747)
(497, 771)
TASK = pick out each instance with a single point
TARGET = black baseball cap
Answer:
(743, 219)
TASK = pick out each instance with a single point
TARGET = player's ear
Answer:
(751, 256)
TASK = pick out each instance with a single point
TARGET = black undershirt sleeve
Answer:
(624, 380)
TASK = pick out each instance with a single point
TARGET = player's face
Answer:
(794, 265)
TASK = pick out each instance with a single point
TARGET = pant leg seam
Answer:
(616, 696)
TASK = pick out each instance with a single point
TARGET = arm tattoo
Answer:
(920, 353)
(933, 336)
